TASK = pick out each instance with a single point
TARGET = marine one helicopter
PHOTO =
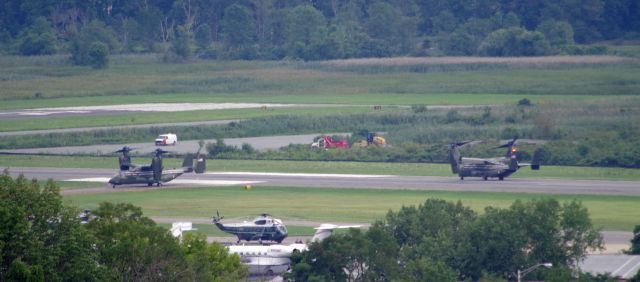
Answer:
(263, 227)
(499, 167)
(153, 173)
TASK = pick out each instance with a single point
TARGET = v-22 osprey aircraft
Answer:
(499, 167)
(155, 172)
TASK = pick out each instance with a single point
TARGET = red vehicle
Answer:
(326, 142)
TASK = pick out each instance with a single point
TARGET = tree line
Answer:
(310, 29)
(42, 239)
(447, 241)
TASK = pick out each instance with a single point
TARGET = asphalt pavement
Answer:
(183, 147)
(433, 183)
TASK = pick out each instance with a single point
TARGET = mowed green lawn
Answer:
(338, 205)
(407, 169)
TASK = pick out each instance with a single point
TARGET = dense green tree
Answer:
(505, 240)
(354, 256)
(267, 29)
(427, 270)
(558, 33)
(305, 28)
(382, 21)
(181, 46)
(133, 247)
(203, 37)
(98, 55)
(238, 26)
(37, 39)
(40, 237)
(458, 43)
(443, 241)
(210, 262)
(635, 242)
(514, 42)
(81, 44)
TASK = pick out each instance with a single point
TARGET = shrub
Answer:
(83, 42)
(524, 102)
(98, 55)
(515, 41)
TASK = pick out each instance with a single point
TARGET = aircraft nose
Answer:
(113, 181)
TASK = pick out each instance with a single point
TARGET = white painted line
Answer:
(615, 272)
(177, 181)
(634, 268)
(91, 179)
(300, 174)
(167, 107)
(213, 182)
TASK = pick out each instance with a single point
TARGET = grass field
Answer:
(151, 118)
(407, 169)
(382, 98)
(338, 205)
(33, 82)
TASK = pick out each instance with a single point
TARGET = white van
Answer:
(166, 139)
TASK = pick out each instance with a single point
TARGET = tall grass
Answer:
(325, 82)
(449, 64)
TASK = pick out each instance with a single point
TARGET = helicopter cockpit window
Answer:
(260, 222)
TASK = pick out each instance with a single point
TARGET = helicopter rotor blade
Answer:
(459, 144)
(125, 149)
(508, 144)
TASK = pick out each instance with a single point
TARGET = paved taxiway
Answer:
(515, 185)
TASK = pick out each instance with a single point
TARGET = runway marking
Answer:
(166, 107)
(176, 181)
(301, 174)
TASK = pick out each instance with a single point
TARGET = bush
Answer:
(514, 41)
(38, 39)
(83, 43)
(98, 55)
(524, 102)
(419, 108)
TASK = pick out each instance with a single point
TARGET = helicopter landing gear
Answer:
(500, 178)
(113, 186)
(461, 177)
(485, 178)
(158, 184)
(149, 184)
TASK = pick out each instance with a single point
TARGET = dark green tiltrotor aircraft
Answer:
(155, 172)
(499, 167)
